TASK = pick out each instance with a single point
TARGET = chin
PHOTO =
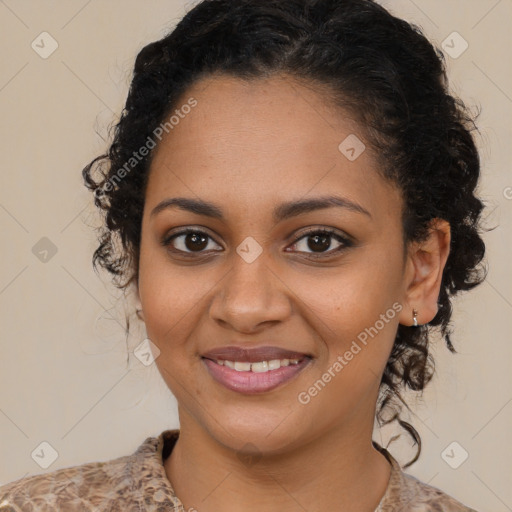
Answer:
(262, 432)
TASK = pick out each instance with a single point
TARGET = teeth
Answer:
(242, 367)
(274, 364)
(258, 367)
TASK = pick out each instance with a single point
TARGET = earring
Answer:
(414, 318)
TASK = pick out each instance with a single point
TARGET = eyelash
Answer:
(166, 242)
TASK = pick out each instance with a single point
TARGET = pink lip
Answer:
(252, 382)
(252, 355)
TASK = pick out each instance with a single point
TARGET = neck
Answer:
(339, 470)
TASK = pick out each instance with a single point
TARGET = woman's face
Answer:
(250, 276)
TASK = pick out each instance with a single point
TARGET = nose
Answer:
(250, 297)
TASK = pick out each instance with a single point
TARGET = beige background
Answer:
(64, 375)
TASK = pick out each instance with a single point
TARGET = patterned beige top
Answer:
(138, 482)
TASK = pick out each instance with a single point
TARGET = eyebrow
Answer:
(281, 212)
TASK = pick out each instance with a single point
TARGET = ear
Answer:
(138, 304)
(424, 272)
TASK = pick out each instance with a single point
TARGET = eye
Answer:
(192, 240)
(187, 241)
(318, 240)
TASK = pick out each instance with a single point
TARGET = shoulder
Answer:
(73, 488)
(406, 492)
(124, 484)
(427, 498)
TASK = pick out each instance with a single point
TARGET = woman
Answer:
(291, 193)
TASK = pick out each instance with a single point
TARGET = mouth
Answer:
(258, 366)
(253, 371)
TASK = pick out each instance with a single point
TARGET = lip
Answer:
(252, 355)
(250, 383)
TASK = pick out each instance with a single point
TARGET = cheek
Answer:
(169, 302)
(355, 313)
(174, 300)
(357, 326)
(163, 296)
(352, 297)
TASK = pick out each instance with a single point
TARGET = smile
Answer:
(254, 377)
(259, 366)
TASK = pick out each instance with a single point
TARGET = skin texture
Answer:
(247, 147)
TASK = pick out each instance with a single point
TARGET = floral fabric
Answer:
(138, 483)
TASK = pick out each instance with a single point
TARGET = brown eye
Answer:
(318, 241)
(187, 241)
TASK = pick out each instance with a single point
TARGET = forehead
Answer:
(265, 140)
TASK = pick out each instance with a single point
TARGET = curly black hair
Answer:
(378, 67)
